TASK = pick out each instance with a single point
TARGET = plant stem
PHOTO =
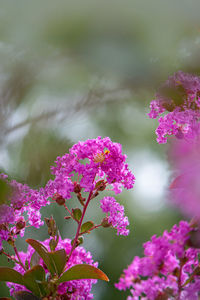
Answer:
(19, 259)
(80, 223)
(10, 257)
(65, 206)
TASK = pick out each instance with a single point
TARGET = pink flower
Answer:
(116, 215)
(167, 265)
(93, 160)
(21, 200)
(179, 99)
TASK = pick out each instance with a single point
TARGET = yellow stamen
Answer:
(100, 157)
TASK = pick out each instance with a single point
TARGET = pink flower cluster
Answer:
(75, 289)
(94, 161)
(116, 214)
(179, 98)
(164, 270)
(23, 206)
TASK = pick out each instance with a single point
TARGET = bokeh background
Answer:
(74, 70)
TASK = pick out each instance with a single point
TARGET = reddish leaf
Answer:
(59, 259)
(31, 279)
(44, 254)
(10, 275)
(82, 271)
(87, 226)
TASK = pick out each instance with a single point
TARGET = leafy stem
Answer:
(65, 206)
(80, 223)
(94, 227)
(19, 259)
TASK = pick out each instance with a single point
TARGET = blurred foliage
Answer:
(71, 71)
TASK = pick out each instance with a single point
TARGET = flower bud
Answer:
(59, 199)
(20, 224)
(3, 227)
(100, 185)
(11, 241)
(105, 223)
(77, 188)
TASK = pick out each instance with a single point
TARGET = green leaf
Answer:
(87, 226)
(82, 271)
(76, 213)
(32, 278)
(10, 275)
(43, 252)
(55, 261)
(59, 258)
(24, 295)
(105, 223)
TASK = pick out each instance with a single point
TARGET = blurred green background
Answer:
(74, 70)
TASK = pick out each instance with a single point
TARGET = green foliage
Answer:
(82, 271)
(8, 274)
(44, 254)
(76, 213)
(59, 259)
(33, 280)
(87, 226)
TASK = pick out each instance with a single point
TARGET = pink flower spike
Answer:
(116, 215)
(167, 265)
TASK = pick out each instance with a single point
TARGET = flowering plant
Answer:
(56, 268)
(61, 268)
(170, 268)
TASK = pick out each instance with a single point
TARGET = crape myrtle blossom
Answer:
(22, 209)
(90, 168)
(185, 189)
(93, 160)
(178, 101)
(75, 289)
(169, 269)
(116, 215)
(98, 164)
